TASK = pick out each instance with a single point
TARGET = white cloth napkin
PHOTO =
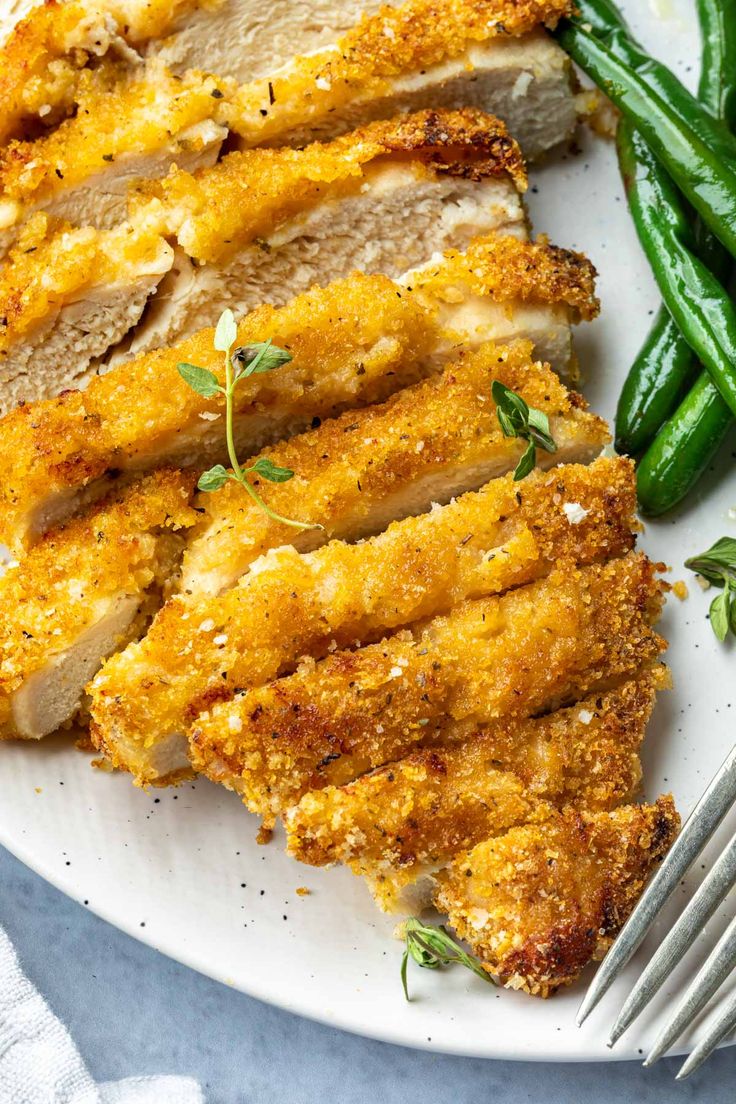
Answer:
(39, 1063)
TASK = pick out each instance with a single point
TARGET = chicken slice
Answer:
(261, 226)
(121, 133)
(85, 590)
(66, 295)
(354, 342)
(436, 53)
(245, 38)
(264, 225)
(294, 605)
(400, 824)
(540, 902)
(530, 650)
(356, 474)
(50, 44)
(451, 53)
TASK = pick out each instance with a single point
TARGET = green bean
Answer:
(683, 449)
(698, 303)
(665, 365)
(697, 151)
(689, 440)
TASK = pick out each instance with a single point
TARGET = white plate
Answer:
(181, 870)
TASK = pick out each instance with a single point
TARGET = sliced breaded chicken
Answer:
(66, 296)
(399, 824)
(426, 53)
(121, 133)
(52, 42)
(438, 53)
(85, 590)
(264, 225)
(539, 903)
(292, 605)
(357, 473)
(354, 342)
(500, 270)
(44, 55)
(532, 649)
(260, 227)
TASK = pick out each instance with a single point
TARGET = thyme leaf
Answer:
(240, 363)
(518, 419)
(432, 948)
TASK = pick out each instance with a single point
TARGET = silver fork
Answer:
(698, 829)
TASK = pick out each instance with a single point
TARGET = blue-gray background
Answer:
(132, 1011)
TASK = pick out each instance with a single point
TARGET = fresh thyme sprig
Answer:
(718, 566)
(247, 360)
(518, 419)
(433, 947)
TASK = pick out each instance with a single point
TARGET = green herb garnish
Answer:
(432, 948)
(517, 419)
(718, 566)
(247, 360)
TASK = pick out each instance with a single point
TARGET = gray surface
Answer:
(132, 1011)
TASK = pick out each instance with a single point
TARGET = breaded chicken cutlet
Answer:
(357, 473)
(136, 120)
(538, 903)
(260, 226)
(482, 543)
(398, 825)
(352, 343)
(514, 655)
(83, 591)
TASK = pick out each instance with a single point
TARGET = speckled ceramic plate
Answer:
(181, 869)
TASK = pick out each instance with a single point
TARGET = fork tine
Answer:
(719, 881)
(702, 822)
(723, 1026)
(709, 978)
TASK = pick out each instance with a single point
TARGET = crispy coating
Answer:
(354, 342)
(409, 818)
(53, 263)
(123, 546)
(507, 269)
(396, 41)
(114, 119)
(292, 605)
(540, 902)
(357, 472)
(249, 194)
(526, 651)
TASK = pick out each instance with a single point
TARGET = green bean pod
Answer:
(665, 366)
(658, 378)
(683, 448)
(697, 151)
(687, 443)
(698, 303)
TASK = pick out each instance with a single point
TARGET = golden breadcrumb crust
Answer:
(249, 194)
(411, 817)
(394, 42)
(508, 269)
(353, 342)
(51, 597)
(53, 263)
(349, 466)
(531, 649)
(41, 61)
(540, 902)
(113, 119)
(294, 605)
